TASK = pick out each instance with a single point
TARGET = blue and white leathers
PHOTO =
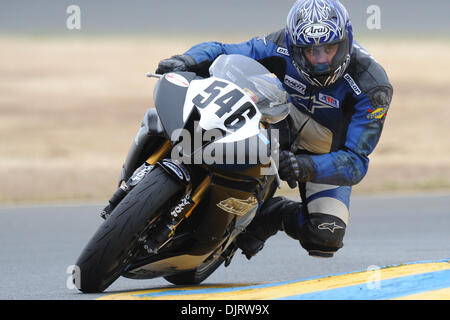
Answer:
(337, 126)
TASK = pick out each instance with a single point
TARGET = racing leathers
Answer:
(332, 132)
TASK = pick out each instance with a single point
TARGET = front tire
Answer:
(114, 244)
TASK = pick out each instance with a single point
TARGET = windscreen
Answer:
(260, 84)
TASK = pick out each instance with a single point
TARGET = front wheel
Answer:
(114, 244)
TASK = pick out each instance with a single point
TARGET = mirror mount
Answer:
(275, 113)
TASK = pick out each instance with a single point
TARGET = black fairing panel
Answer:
(169, 101)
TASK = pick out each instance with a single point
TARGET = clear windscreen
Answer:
(260, 84)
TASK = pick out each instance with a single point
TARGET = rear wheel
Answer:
(115, 242)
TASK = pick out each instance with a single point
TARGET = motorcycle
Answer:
(210, 168)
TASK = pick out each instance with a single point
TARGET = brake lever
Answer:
(153, 75)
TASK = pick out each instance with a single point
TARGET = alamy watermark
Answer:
(374, 19)
(374, 279)
(205, 147)
(73, 21)
(74, 279)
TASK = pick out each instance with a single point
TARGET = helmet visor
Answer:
(321, 59)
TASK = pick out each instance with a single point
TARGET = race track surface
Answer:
(40, 243)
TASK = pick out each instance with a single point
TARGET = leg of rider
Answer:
(268, 219)
(322, 227)
(267, 222)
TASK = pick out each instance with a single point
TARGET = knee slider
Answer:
(322, 234)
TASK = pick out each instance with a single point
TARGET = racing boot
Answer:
(273, 215)
(148, 138)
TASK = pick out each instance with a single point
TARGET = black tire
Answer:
(195, 276)
(106, 255)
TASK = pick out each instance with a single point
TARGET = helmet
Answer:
(319, 39)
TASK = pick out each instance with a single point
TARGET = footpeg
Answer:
(230, 256)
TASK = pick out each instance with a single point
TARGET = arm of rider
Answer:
(176, 63)
(295, 168)
(199, 58)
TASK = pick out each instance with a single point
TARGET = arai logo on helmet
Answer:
(316, 30)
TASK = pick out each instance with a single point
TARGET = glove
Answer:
(295, 168)
(175, 63)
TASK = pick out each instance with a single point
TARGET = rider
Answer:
(340, 96)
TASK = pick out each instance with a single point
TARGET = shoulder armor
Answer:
(278, 37)
(369, 77)
(276, 63)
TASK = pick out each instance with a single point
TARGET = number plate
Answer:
(223, 105)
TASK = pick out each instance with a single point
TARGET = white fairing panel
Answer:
(223, 105)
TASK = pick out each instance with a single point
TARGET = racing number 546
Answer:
(235, 116)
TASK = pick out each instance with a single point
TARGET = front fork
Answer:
(178, 213)
(181, 211)
(138, 175)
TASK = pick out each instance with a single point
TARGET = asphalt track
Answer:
(40, 243)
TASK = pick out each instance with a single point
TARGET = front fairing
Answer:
(168, 96)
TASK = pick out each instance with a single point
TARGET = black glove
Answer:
(175, 63)
(293, 169)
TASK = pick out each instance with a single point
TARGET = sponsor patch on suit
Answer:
(294, 84)
(329, 100)
(283, 51)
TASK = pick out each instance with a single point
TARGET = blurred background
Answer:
(73, 88)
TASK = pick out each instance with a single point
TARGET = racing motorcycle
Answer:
(209, 171)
